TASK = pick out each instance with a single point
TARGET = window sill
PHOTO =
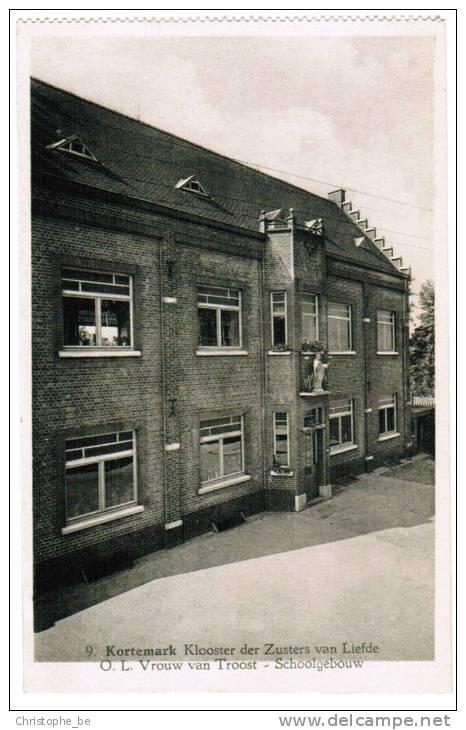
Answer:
(388, 436)
(237, 479)
(279, 352)
(379, 352)
(341, 449)
(343, 352)
(281, 474)
(220, 353)
(81, 352)
(101, 519)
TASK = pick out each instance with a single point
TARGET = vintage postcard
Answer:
(235, 417)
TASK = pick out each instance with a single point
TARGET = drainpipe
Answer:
(364, 342)
(164, 421)
(264, 369)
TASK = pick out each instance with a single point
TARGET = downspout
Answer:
(164, 422)
(264, 371)
(364, 341)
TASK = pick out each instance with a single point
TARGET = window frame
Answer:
(218, 318)
(220, 438)
(307, 295)
(349, 321)
(392, 325)
(97, 298)
(385, 407)
(100, 459)
(272, 319)
(342, 445)
(278, 431)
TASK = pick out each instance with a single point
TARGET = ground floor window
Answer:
(281, 440)
(221, 448)
(100, 473)
(387, 415)
(341, 423)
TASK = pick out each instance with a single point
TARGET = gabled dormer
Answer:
(74, 146)
(192, 185)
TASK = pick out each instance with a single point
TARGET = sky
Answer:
(322, 113)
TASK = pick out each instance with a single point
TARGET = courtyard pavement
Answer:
(359, 567)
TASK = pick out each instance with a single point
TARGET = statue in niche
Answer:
(319, 372)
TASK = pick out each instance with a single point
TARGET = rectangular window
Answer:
(279, 329)
(221, 447)
(385, 331)
(387, 415)
(339, 327)
(281, 441)
(97, 309)
(219, 313)
(341, 426)
(100, 474)
(310, 318)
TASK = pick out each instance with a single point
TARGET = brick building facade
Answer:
(179, 299)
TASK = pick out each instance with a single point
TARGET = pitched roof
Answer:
(141, 161)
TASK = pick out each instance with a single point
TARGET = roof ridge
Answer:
(182, 139)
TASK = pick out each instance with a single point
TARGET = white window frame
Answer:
(347, 445)
(392, 325)
(311, 316)
(285, 294)
(384, 407)
(280, 431)
(218, 309)
(100, 459)
(220, 438)
(97, 297)
(349, 320)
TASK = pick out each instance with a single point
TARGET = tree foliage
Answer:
(422, 345)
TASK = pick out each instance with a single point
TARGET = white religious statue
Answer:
(319, 370)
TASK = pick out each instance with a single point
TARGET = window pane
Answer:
(115, 327)
(334, 434)
(309, 305)
(309, 327)
(333, 335)
(210, 461)
(82, 490)
(119, 482)
(281, 449)
(230, 328)
(207, 327)
(382, 420)
(346, 435)
(108, 449)
(232, 458)
(390, 419)
(279, 330)
(79, 321)
(338, 310)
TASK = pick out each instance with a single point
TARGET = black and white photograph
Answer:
(232, 250)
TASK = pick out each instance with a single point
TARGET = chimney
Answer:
(338, 197)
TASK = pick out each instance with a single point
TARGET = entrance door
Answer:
(313, 451)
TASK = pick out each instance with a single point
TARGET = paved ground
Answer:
(356, 568)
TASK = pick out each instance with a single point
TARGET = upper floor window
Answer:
(387, 415)
(221, 448)
(219, 313)
(341, 426)
(192, 185)
(339, 327)
(97, 309)
(100, 474)
(385, 331)
(310, 318)
(281, 441)
(279, 328)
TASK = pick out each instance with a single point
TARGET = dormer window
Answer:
(75, 146)
(192, 185)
